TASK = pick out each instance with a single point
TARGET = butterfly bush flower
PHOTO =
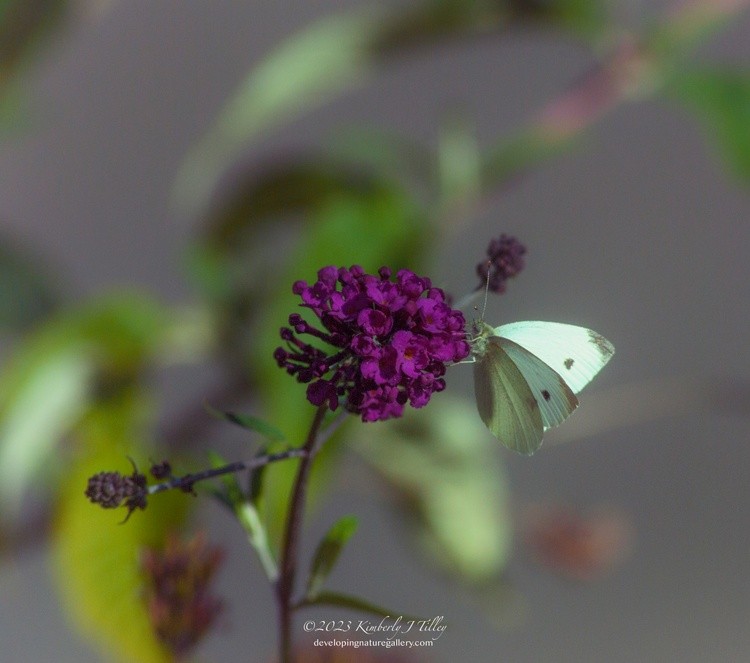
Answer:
(505, 260)
(388, 341)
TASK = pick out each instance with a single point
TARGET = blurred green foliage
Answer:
(721, 98)
(341, 51)
(67, 365)
(447, 480)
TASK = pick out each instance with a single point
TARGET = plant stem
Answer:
(290, 546)
(187, 481)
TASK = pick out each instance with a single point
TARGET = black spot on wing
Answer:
(569, 363)
(546, 395)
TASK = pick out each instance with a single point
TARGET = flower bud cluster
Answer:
(505, 260)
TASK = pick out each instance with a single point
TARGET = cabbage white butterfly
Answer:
(527, 375)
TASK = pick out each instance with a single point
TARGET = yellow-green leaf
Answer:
(97, 556)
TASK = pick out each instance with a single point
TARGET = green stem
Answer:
(290, 547)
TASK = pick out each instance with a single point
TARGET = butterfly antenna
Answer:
(486, 289)
(467, 299)
(484, 304)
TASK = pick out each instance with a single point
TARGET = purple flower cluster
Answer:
(505, 260)
(390, 341)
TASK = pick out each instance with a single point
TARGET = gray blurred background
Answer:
(639, 234)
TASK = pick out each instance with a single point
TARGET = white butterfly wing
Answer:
(577, 354)
(505, 401)
(554, 397)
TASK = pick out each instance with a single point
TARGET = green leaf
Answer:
(247, 515)
(455, 494)
(35, 415)
(339, 52)
(340, 600)
(46, 385)
(96, 556)
(721, 98)
(248, 422)
(325, 59)
(328, 552)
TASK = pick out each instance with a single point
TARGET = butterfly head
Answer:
(481, 332)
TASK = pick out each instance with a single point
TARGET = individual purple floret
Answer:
(505, 255)
(389, 342)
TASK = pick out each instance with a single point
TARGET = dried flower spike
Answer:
(505, 260)
(181, 607)
(389, 342)
(112, 489)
